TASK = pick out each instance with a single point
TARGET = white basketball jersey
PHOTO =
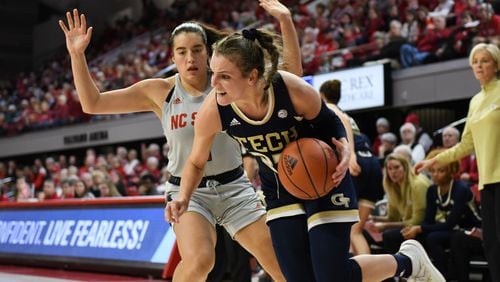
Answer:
(178, 117)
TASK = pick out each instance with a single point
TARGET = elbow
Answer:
(88, 109)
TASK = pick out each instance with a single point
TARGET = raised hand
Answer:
(275, 9)
(77, 34)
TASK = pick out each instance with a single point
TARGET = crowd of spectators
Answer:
(121, 172)
(334, 34)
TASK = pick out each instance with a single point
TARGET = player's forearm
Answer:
(291, 50)
(191, 178)
(88, 92)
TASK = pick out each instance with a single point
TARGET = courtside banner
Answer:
(109, 233)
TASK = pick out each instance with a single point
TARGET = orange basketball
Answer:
(305, 168)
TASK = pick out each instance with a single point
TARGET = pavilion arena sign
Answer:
(86, 137)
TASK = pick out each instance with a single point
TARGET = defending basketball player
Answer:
(264, 110)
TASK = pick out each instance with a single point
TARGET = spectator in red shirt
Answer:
(489, 27)
(89, 164)
(39, 175)
(152, 168)
(62, 110)
(68, 186)
(46, 117)
(383, 126)
(433, 41)
(49, 191)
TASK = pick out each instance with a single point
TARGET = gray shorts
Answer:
(233, 205)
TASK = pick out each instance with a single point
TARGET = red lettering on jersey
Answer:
(193, 117)
(174, 122)
(177, 121)
(182, 122)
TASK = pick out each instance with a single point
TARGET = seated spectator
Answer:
(308, 50)
(405, 193)
(373, 23)
(62, 111)
(450, 137)
(389, 142)
(49, 191)
(152, 168)
(459, 42)
(410, 29)
(89, 183)
(421, 137)
(468, 165)
(391, 45)
(447, 208)
(147, 185)
(429, 46)
(382, 126)
(404, 151)
(408, 135)
(489, 25)
(23, 190)
(40, 173)
(462, 6)
(108, 189)
(82, 191)
(68, 186)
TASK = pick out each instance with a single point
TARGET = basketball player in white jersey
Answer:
(224, 196)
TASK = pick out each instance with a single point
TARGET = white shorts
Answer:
(233, 205)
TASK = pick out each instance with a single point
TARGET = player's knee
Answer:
(200, 262)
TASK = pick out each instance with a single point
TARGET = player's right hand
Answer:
(77, 34)
(175, 209)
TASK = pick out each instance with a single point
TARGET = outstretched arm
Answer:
(292, 59)
(132, 99)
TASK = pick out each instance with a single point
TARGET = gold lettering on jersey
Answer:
(256, 142)
(272, 142)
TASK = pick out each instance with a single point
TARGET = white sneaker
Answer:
(422, 267)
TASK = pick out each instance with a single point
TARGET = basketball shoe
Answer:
(422, 267)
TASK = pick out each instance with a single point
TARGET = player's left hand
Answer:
(344, 158)
(275, 9)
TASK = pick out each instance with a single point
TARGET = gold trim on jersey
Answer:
(270, 110)
(331, 216)
(285, 211)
